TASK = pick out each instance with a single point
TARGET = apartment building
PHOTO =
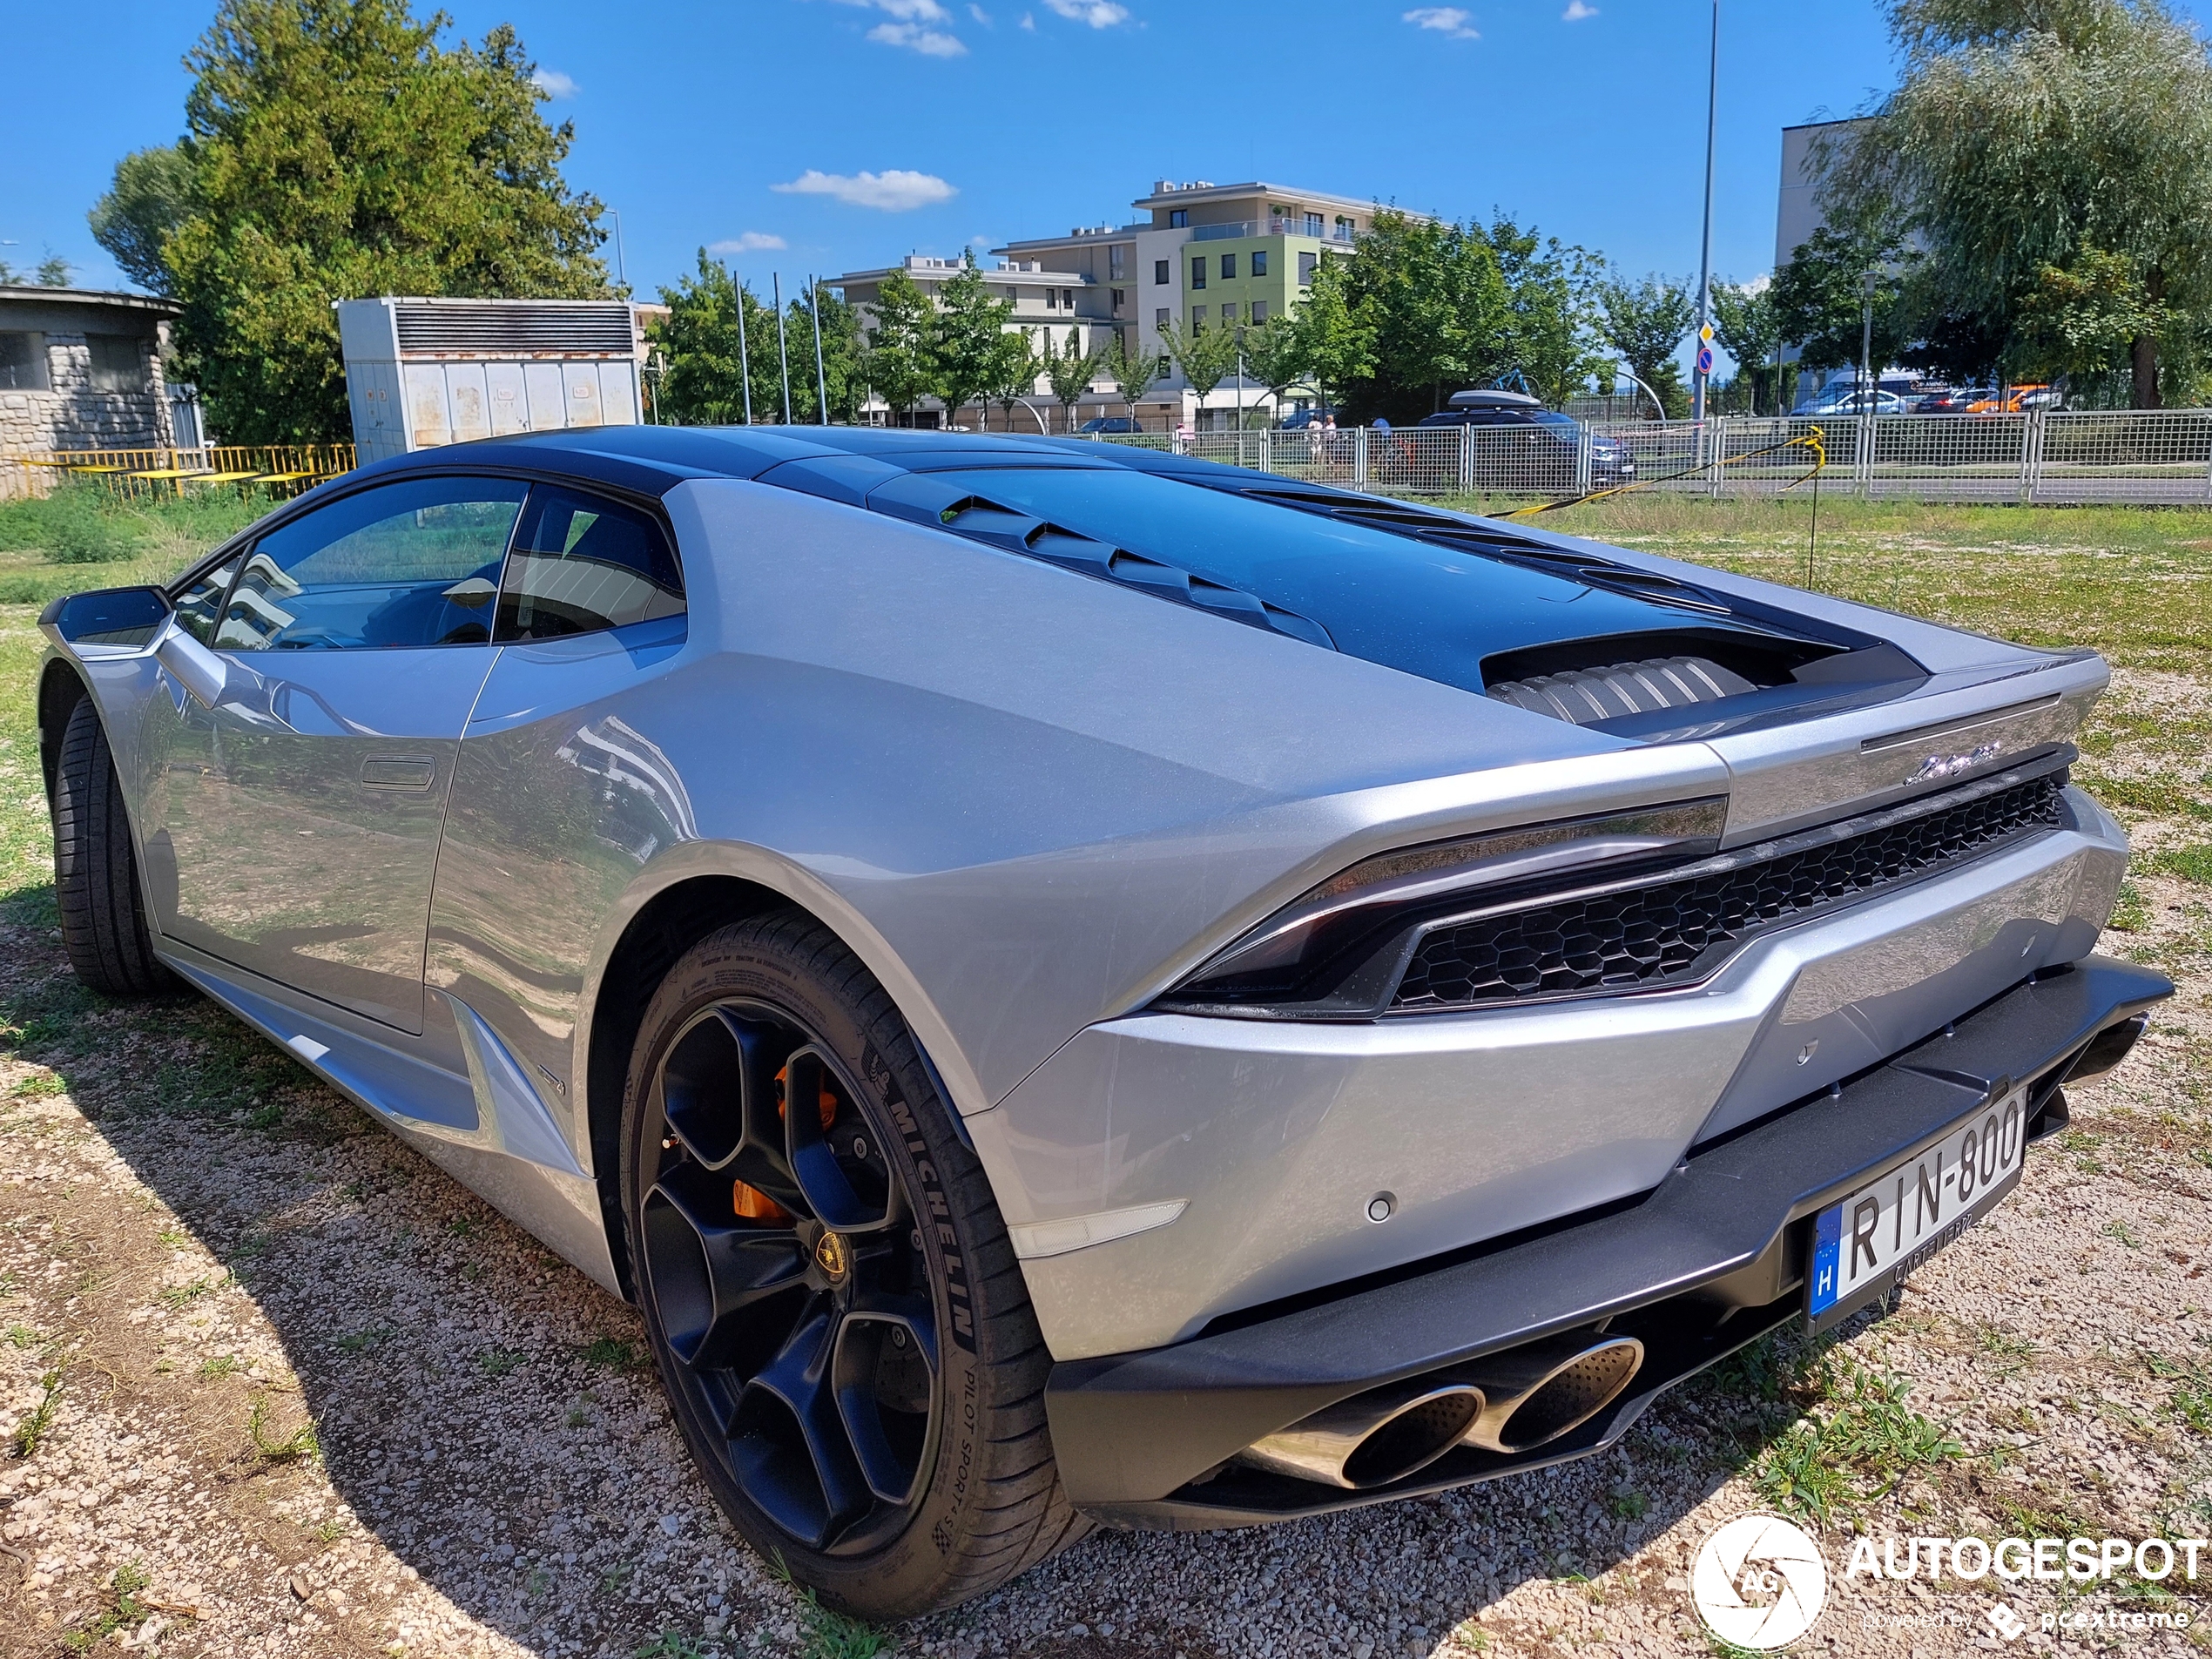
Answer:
(1200, 254)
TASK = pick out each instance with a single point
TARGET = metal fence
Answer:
(281, 470)
(2054, 456)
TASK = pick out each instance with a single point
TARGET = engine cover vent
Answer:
(1585, 696)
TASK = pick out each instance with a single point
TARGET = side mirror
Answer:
(125, 617)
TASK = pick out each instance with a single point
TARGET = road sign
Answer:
(1704, 359)
(1705, 333)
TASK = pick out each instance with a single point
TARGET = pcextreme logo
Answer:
(1759, 1582)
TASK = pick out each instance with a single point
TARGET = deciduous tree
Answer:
(965, 333)
(901, 365)
(151, 196)
(1645, 322)
(338, 149)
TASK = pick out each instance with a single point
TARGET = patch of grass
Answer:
(464, 1226)
(613, 1353)
(360, 1341)
(178, 1296)
(669, 1645)
(40, 1085)
(824, 1633)
(38, 1422)
(2191, 863)
(1628, 1504)
(2191, 1402)
(123, 1608)
(1851, 1450)
(2158, 796)
(328, 1532)
(301, 1443)
(224, 1365)
(22, 1336)
(2120, 1231)
(2130, 915)
(499, 1362)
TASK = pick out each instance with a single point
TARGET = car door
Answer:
(316, 687)
(559, 798)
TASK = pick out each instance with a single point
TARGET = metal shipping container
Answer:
(422, 372)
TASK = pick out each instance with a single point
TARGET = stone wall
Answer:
(71, 414)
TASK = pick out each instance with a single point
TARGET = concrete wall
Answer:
(69, 414)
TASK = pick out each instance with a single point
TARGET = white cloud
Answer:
(552, 83)
(1576, 11)
(1029, 22)
(1455, 21)
(930, 43)
(748, 242)
(912, 26)
(1099, 14)
(894, 190)
(980, 15)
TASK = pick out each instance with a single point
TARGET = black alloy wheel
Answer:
(822, 1269)
(785, 1269)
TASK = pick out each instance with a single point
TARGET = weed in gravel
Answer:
(669, 1645)
(301, 1443)
(1628, 1504)
(2191, 1399)
(328, 1532)
(464, 1226)
(38, 1422)
(123, 1608)
(22, 1336)
(360, 1341)
(40, 1085)
(2130, 912)
(178, 1296)
(824, 1633)
(2120, 1231)
(499, 1362)
(1854, 1449)
(223, 1365)
(2003, 1345)
(615, 1353)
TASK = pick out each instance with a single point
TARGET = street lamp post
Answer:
(1705, 263)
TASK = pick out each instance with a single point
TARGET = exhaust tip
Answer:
(1535, 1394)
(1372, 1439)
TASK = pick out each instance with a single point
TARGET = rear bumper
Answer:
(1705, 1262)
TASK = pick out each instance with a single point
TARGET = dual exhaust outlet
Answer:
(1514, 1401)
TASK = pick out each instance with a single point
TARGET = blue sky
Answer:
(829, 135)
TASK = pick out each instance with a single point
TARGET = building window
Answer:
(1227, 266)
(1306, 264)
(1067, 299)
(1344, 228)
(1228, 312)
(1198, 272)
(1313, 224)
(1160, 273)
(1197, 320)
(23, 362)
(1178, 218)
(1166, 368)
(1115, 294)
(1258, 313)
(1160, 317)
(1052, 298)
(119, 363)
(1117, 270)
(1259, 261)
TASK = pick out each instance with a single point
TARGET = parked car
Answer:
(1850, 402)
(1106, 423)
(2013, 399)
(1950, 401)
(1533, 447)
(1073, 985)
(1298, 420)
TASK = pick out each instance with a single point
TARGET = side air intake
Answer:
(1584, 696)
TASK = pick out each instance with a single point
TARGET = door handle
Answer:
(399, 771)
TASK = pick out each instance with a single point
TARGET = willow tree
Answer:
(2055, 158)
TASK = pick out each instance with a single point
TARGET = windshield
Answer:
(1552, 417)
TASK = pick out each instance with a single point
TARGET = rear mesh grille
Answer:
(1673, 931)
(490, 329)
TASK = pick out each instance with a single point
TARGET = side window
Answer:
(415, 563)
(582, 563)
(200, 605)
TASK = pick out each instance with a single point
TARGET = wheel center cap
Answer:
(834, 1255)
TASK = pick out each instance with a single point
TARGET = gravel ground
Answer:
(277, 1386)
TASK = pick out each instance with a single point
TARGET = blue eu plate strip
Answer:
(1827, 1249)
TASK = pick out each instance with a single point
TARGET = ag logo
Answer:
(1759, 1582)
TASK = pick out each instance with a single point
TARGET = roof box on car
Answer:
(1494, 401)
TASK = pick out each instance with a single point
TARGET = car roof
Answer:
(1495, 401)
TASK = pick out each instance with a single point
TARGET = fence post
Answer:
(1583, 469)
(1715, 441)
(1360, 458)
(1466, 459)
(1863, 456)
(2031, 455)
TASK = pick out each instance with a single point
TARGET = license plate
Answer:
(1883, 1232)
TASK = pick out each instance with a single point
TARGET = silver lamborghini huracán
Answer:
(1073, 984)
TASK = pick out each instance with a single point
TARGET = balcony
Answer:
(1225, 233)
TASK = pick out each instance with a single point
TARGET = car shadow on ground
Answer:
(450, 1433)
